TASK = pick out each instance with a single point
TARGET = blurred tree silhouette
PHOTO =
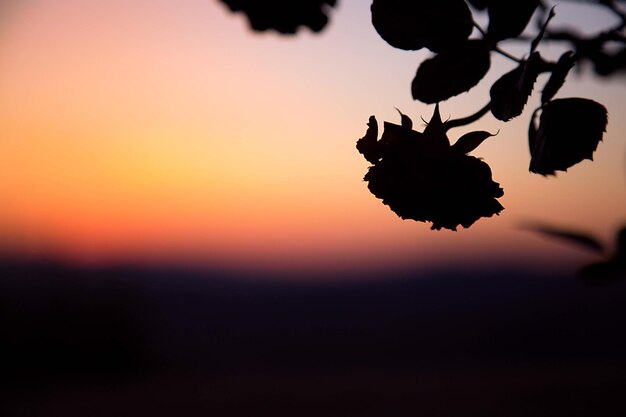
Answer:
(418, 174)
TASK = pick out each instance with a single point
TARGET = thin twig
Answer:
(495, 47)
(504, 53)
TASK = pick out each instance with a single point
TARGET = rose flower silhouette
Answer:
(421, 177)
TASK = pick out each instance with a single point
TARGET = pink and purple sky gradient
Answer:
(157, 131)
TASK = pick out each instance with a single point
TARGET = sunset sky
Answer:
(154, 131)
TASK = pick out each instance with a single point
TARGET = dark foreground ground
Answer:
(130, 342)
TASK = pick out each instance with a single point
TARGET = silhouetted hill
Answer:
(153, 342)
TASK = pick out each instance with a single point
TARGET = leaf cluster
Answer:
(406, 171)
(460, 62)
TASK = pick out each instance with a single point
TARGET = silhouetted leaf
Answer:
(542, 31)
(569, 131)
(284, 16)
(412, 25)
(470, 141)
(558, 76)
(368, 145)
(420, 177)
(578, 238)
(510, 93)
(509, 18)
(452, 72)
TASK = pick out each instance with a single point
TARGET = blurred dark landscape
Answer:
(182, 342)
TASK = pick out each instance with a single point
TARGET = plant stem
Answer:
(506, 54)
(495, 48)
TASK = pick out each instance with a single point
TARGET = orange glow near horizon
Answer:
(153, 132)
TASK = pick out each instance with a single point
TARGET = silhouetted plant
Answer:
(613, 265)
(400, 177)
(419, 175)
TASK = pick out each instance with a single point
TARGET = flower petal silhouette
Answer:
(451, 72)
(435, 132)
(284, 16)
(569, 131)
(368, 145)
(412, 25)
(421, 177)
(405, 120)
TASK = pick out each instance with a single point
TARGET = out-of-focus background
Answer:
(184, 228)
